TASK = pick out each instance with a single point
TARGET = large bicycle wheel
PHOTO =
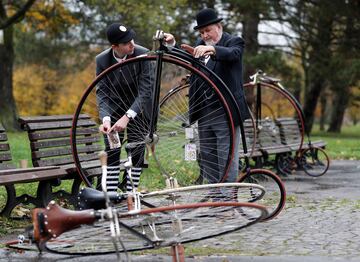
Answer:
(314, 161)
(275, 107)
(275, 196)
(175, 142)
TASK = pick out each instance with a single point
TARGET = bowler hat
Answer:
(118, 33)
(206, 17)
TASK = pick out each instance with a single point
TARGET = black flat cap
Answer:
(118, 33)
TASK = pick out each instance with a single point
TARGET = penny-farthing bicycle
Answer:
(168, 139)
(275, 104)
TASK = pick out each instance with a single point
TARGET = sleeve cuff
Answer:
(106, 118)
(170, 45)
(131, 113)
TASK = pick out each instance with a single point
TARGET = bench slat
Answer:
(64, 151)
(63, 142)
(4, 166)
(3, 137)
(31, 119)
(33, 176)
(4, 147)
(35, 136)
(66, 160)
(57, 125)
(5, 157)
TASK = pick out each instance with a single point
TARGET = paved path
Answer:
(321, 218)
(321, 222)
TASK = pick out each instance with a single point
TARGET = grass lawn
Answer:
(339, 146)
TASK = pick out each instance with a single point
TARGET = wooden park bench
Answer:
(270, 138)
(290, 134)
(50, 145)
(267, 142)
(10, 175)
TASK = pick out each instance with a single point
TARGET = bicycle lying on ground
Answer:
(138, 221)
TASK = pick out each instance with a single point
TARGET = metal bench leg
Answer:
(259, 162)
(44, 193)
(10, 201)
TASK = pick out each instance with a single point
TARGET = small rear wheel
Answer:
(314, 161)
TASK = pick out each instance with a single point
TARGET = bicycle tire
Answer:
(280, 98)
(173, 165)
(275, 196)
(173, 225)
(314, 161)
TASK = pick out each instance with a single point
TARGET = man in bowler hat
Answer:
(222, 53)
(124, 100)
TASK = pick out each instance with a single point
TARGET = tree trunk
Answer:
(250, 35)
(318, 67)
(340, 104)
(311, 100)
(8, 112)
(345, 77)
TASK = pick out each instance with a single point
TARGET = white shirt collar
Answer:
(118, 59)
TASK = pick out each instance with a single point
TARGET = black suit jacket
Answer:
(227, 64)
(128, 87)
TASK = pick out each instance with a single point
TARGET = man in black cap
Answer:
(124, 100)
(222, 53)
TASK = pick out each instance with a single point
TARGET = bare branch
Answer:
(18, 15)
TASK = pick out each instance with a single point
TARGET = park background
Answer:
(47, 51)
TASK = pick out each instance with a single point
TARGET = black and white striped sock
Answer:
(112, 178)
(135, 174)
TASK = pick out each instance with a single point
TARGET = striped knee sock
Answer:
(135, 175)
(112, 179)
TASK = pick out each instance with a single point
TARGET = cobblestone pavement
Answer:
(321, 222)
(321, 218)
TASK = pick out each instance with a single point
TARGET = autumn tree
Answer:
(11, 12)
(345, 61)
